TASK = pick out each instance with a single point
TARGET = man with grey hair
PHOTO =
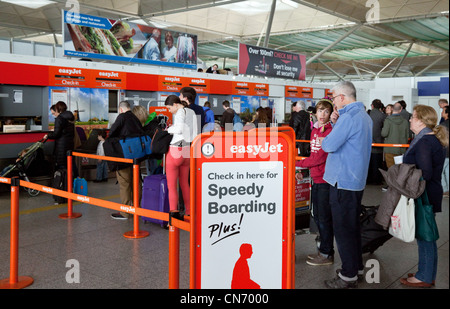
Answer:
(126, 124)
(300, 123)
(349, 146)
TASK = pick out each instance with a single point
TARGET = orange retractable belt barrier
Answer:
(16, 282)
(373, 145)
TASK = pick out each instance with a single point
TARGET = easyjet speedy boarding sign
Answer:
(241, 210)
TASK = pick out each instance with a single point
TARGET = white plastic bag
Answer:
(403, 225)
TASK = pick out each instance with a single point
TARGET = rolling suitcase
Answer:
(372, 234)
(155, 196)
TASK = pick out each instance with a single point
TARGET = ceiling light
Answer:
(32, 4)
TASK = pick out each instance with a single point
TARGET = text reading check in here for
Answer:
(247, 175)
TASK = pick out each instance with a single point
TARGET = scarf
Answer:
(424, 131)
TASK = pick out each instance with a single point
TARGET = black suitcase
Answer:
(60, 182)
(372, 234)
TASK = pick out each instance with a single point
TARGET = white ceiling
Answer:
(226, 22)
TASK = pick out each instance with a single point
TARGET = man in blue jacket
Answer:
(348, 146)
(209, 118)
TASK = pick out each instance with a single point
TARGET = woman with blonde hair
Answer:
(141, 113)
(427, 152)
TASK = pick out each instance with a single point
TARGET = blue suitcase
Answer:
(80, 186)
(155, 196)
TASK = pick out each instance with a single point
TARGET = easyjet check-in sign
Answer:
(241, 183)
(86, 78)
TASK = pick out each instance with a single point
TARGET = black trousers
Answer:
(346, 209)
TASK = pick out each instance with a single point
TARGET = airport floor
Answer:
(108, 260)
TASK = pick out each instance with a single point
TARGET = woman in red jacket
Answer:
(320, 188)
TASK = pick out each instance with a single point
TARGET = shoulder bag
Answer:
(426, 227)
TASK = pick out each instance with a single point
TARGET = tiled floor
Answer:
(109, 260)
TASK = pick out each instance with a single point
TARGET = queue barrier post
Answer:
(14, 281)
(135, 233)
(70, 214)
(174, 252)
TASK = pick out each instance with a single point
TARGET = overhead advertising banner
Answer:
(89, 36)
(254, 60)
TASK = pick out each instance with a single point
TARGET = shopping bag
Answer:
(403, 224)
(426, 227)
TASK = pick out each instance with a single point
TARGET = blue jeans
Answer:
(346, 209)
(428, 260)
(102, 170)
(320, 199)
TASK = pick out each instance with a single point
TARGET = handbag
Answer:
(403, 225)
(129, 148)
(135, 147)
(426, 227)
(161, 142)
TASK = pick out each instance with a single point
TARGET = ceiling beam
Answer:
(331, 70)
(403, 59)
(343, 37)
(269, 24)
(432, 64)
(385, 67)
(214, 3)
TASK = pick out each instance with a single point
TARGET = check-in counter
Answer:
(12, 143)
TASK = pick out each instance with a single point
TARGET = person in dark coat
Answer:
(376, 157)
(226, 122)
(301, 124)
(63, 134)
(126, 124)
(427, 152)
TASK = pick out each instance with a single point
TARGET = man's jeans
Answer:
(346, 209)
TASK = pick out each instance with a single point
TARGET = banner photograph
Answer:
(254, 60)
(87, 36)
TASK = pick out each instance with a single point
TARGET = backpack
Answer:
(237, 123)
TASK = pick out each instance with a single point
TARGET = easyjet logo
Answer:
(198, 81)
(172, 79)
(69, 71)
(109, 74)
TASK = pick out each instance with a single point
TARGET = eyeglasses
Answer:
(332, 99)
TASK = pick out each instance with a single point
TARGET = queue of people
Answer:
(340, 157)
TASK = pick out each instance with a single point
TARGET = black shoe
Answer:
(360, 274)
(339, 283)
(98, 180)
(105, 180)
(119, 216)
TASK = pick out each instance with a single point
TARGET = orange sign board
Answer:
(201, 85)
(76, 77)
(242, 88)
(161, 111)
(68, 77)
(261, 89)
(298, 92)
(170, 83)
(108, 79)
